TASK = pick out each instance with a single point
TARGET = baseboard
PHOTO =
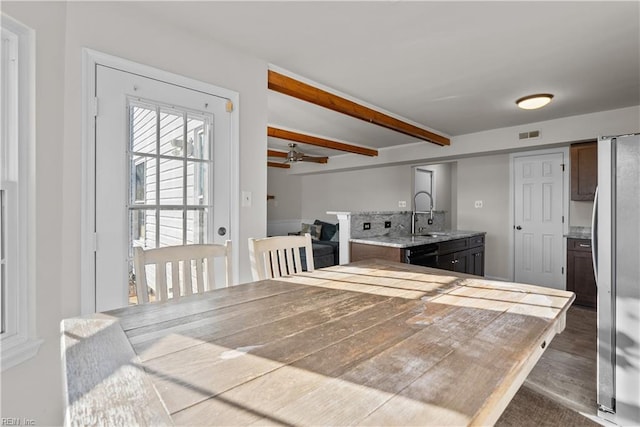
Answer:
(498, 279)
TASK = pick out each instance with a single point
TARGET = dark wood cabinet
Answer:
(584, 171)
(470, 261)
(580, 276)
(476, 261)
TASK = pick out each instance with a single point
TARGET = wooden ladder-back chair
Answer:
(279, 256)
(180, 258)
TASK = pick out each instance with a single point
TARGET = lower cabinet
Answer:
(470, 261)
(476, 261)
(580, 275)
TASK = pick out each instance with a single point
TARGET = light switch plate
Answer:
(246, 199)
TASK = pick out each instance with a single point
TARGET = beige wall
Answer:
(377, 189)
(486, 178)
(580, 213)
(34, 389)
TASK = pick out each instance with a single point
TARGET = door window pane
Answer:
(171, 182)
(197, 226)
(198, 183)
(171, 228)
(143, 129)
(197, 136)
(172, 132)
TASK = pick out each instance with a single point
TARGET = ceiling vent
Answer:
(529, 135)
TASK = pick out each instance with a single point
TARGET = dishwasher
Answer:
(425, 255)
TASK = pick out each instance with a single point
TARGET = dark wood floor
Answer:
(566, 372)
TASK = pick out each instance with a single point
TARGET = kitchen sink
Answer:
(433, 234)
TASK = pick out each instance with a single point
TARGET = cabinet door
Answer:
(475, 261)
(584, 170)
(447, 262)
(581, 278)
(462, 262)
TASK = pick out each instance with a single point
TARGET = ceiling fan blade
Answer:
(314, 159)
(278, 165)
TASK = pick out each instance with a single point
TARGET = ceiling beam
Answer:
(289, 86)
(278, 165)
(318, 142)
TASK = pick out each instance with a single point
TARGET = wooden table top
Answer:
(369, 343)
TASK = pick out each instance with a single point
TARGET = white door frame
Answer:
(565, 203)
(91, 58)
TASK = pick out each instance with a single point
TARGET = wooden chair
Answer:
(279, 256)
(179, 258)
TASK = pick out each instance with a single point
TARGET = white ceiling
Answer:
(453, 67)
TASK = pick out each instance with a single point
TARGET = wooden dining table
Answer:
(369, 343)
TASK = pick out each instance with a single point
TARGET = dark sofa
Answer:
(326, 249)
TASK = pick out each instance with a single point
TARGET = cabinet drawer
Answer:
(476, 241)
(453, 246)
(583, 245)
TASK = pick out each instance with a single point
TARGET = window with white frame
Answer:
(17, 299)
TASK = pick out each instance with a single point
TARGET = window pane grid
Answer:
(170, 177)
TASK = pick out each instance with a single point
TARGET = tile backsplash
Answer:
(400, 223)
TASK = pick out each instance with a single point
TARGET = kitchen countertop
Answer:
(407, 241)
(579, 233)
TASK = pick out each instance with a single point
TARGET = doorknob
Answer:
(518, 228)
(222, 231)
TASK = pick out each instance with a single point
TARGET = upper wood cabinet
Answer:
(584, 170)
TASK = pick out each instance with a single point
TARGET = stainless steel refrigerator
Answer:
(616, 243)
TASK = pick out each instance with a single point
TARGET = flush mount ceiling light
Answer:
(532, 102)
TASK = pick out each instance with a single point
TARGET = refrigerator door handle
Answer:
(594, 236)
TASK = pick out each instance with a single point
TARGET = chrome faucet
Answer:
(414, 211)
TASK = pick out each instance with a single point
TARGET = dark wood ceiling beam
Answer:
(318, 142)
(289, 86)
(278, 165)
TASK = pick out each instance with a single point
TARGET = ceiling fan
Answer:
(296, 156)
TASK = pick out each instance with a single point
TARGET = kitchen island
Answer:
(461, 251)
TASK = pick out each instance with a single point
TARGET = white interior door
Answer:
(162, 173)
(538, 198)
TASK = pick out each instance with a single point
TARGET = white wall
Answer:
(287, 190)
(284, 212)
(34, 389)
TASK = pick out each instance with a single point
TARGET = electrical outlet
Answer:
(366, 226)
(402, 204)
(478, 204)
(387, 224)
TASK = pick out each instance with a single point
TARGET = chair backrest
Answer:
(180, 258)
(279, 256)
